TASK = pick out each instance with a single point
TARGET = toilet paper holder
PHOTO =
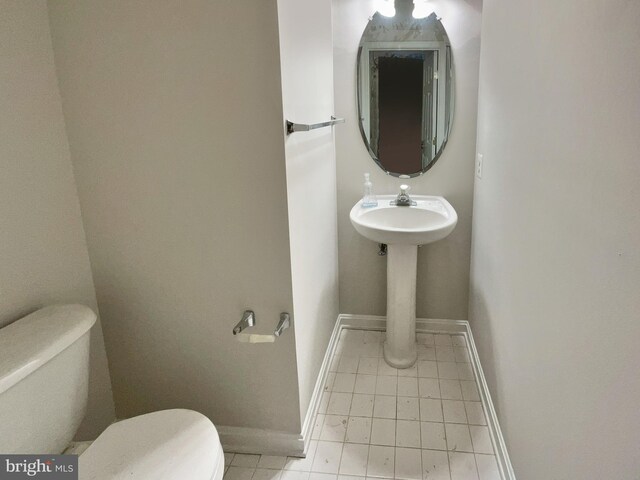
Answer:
(249, 320)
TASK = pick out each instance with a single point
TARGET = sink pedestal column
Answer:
(400, 346)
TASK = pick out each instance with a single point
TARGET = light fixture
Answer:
(421, 9)
(386, 7)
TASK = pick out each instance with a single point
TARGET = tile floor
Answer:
(375, 421)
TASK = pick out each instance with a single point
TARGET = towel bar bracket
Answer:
(303, 127)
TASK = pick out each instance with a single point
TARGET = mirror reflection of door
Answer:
(405, 91)
(403, 108)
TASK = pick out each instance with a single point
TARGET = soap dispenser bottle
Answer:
(369, 198)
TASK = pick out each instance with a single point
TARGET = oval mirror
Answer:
(405, 90)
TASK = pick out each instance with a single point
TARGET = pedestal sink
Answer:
(403, 229)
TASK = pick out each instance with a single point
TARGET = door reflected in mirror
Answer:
(405, 91)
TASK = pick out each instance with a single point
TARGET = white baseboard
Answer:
(314, 404)
(267, 442)
(257, 441)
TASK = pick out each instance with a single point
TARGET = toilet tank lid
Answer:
(28, 343)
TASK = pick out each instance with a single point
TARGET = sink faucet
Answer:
(403, 199)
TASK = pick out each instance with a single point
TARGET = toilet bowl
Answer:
(44, 371)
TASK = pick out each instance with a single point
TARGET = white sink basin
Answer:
(432, 219)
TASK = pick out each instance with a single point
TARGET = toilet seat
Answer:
(165, 445)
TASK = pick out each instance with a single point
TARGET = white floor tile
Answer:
(302, 464)
(324, 402)
(445, 354)
(370, 350)
(427, 368)
(425, 339)
(463, 466)
(228, 457)
(245, 460)
(349, 477)
(328, 385)
(475, 413)
(381, 461)
(327, 457)
(385, 369)
(352, 335)
(458, 438)
(344, 382)
(239, 473)
(481, 439)
(384, 406)
(348, 364)
(458, 341)
(386, 385)
(383, 432)
(365, 384)
(461, 354)
(454, 411)
(354, 459)
(428, 388)
(408, 408)
(465, 371)
(368, 366)
(361, 405)
(317, 427)
(272, 461)
(435, 465)
(450, 389)
(426, 352)
(335, 361)
(470, 391)
(371, 336)
(487, 467)
(407, 387)
(294, 475)
(408, 433)
(431, 410)
(322, 476)
(267, 474)
(339, 403)
(408, 463)
(334, 428)
(433, 436)
(412, 371)
(359, 430)
(448, 370)
(443, 339)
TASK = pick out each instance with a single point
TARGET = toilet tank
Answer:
(44, 374)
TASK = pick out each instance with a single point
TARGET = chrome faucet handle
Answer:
(403, 199)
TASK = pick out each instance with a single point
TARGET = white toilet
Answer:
(44, 371)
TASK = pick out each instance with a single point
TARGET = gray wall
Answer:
(555, 308)
(307, 89)
(43, 254)
(174, 115)
(443, 267)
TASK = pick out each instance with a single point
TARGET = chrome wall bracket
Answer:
(283, 324)
(303, 127)
(248, 320)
